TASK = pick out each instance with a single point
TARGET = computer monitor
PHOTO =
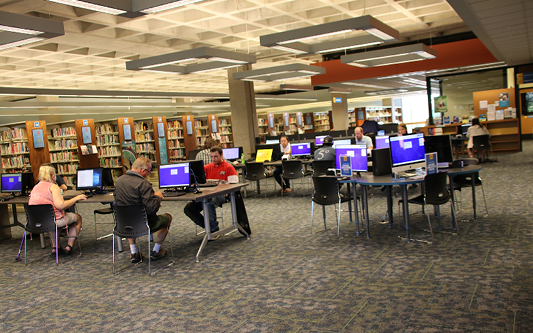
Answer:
(463, 128)
(341, 142)
(89, 179)
(263, 155)
(174, 175)
(407, 151)
(107, 177)
(357, 154)
(192, 154)
(382, 142)
(440, 144)
(270, 142)
(301, 149)
(319, 140)
(197, 170)
(11, 183)
(232, 154)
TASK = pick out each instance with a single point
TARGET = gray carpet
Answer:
(287, 279)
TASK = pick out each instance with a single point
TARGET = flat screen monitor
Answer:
(89, 179)
(193, 153)
(11, 183)
(440, 144)
(197, 170)
(407, 151)
(270, 142)
(319, 140)
(174, 175)
(382, 142)
(463, 128)
(357, 154)
(232, 154)
(301, 149)
(341, 142)
(107, 177)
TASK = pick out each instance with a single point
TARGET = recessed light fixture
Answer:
(277, 73)
(390, 56)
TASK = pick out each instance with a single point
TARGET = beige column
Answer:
(339, 112)
(243, 112)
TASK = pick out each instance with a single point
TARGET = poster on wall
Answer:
(441, 104)
(128, 154)
(163, 150)
(503, 99)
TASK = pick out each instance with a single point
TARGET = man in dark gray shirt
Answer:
(326, 152)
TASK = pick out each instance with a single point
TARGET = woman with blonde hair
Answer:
(47, 192)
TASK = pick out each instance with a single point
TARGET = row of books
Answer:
(67, 169)
(62, 144)
(109, 151)
(15, 162)
(147, 136)
(106, 129)
(176, 154)
(174, 144)
(64, 156)
(142, 126)
(14, 134)
(107, 139)
(14, 148)
(177, 134)
(225, 130)
(111, 162)
(64, 131)
(174, 124)
(145, 148)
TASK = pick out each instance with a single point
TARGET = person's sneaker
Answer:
(158, 255)
(136, 257)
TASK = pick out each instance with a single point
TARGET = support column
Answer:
(243, 112)
(339, 112)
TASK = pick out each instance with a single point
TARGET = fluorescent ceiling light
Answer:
(128, 8)
(218, 59)
(390, 56)
(290, 41)
(364, 85)
(277, 73)
(22, 29)
(284, 86)
(336, 90)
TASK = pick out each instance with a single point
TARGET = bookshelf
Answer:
(226, 132)
(381, 114)
(14, 150)
(161, 143)
(322, 121)
(144, 139)
(201, 130)
(262, 126)
(109, 152)
(39, 153)
(176, 145)
(63, 150)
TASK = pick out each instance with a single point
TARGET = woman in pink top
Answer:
(47, 192)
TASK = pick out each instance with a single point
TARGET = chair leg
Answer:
(114, 253)
(339, 220)
(455, 215)
(430, 228)
(484, 199)
(324, 216)
(57, 246)
(149, 256)
(312, 209)
(95, 234)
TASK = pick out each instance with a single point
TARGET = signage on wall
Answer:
(337, 100)
(85, 122)
(159, 119)
(36, 124)
(125, 120)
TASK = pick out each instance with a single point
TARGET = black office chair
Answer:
(465, 181)
(103, 211)
(292, 169)
(482, 142)
(320, 168)
(132, 222)
(326, 192)
(41, 219)
(255, 171)
(436, 193)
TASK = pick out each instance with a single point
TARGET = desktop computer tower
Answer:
(381, 162)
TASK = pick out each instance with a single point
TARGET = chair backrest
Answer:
(481, 141)
(292, 169)
(40, 218)
(321, 167)
(131, 221)
(326, 190)
(466, 180)
(255, 171)
(469, 161)
(436, 191)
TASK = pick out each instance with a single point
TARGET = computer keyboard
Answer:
(208, 185)
(173, 194)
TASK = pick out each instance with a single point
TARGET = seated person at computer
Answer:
(132, 188)
(474, 130)
(284, 149)
(402, 129)
(205, 154)
(218, 169)
(47, 192)
(326, 152)
(361, 139)
(370, 126)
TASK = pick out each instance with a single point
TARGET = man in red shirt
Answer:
(219, 169)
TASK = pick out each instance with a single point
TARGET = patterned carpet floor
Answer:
(286, 278)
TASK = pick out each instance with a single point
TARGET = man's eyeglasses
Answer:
(149, 171)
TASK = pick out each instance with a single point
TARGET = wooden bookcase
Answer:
(14, 149)
(81, 126)
(175, 140)
(126, 136)
(160, 140)
(226, 132)
(38, 156)
(144, 139)
(108, 143)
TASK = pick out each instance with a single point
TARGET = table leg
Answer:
(258, 188)
(243, 181)
(364, 194)
(474, 176)
(406, 211)
(389, 205)
(452, 195)
(355, 208)
(234, 215)
(207, 226)
(349, 202)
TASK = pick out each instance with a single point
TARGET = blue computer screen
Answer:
(319, 140)
(357, 154)
(269, 142)
(89, 179)
(11, 183)
(301, 149)
(174, 175)
(231, 153)
(382, 142)
(341, 142)
(407, 149)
